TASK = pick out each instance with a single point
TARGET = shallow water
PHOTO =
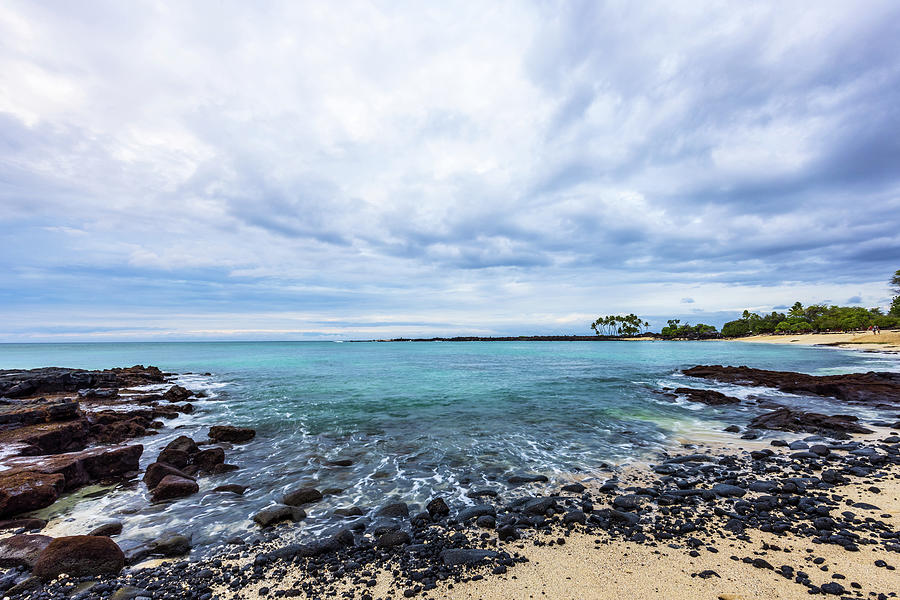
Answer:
(417, 419)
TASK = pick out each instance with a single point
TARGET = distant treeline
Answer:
(798, 319)
(632, 325)
(700, 331)
(816, 317)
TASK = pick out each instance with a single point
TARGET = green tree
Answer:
(895, 282)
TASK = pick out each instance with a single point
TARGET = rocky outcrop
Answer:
(868, 388)
(785, 419)
(14, 413)
(48, 438)
(230, 433)
(52, 380)
(174, 473)
(34, 483)
(709, 397)
(80, 556)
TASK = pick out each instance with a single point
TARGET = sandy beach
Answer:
(589, 566)
(886, 341)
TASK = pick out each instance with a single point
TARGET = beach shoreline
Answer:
(886, 341)
(685, 523)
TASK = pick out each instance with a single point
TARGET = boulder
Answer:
(230, 433)
(25, 491)
(173, 486)
(179, 452)
(176, 393)
(301, 496)
(277, 513)
(392, 538)
(437, 508)
(206, 460)
(80, 556)
(107, 529)
(393, 510)
(22, 550)
(157, 471)
(476, 511)
(538, 506)
(223, 468)
(171, 544)
(574, 488)
(726, 490)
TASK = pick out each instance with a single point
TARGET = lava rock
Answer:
(170, 545)
(393, 510)
(108, 529)
(437, 508)
(465, 556)
(157, 471)
(80, 556)
(301, 496)
(22, 550)
(277, 513)
(173, 486)
(230, 433)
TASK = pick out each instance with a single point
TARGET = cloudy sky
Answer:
(217, 170)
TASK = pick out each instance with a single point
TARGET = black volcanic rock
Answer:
(710, 397)
(785, 419)
(868, 388)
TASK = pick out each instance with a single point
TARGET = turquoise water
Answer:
(418, 418)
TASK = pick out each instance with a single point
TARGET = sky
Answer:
(317, 170)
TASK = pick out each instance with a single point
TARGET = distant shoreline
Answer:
(886, 341)
(517, 338)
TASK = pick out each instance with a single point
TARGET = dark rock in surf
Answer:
(785, 419)
(301, 496)
(171, 487)
(709, 397)
(230, 433)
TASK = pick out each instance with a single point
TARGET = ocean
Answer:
(416, 419)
